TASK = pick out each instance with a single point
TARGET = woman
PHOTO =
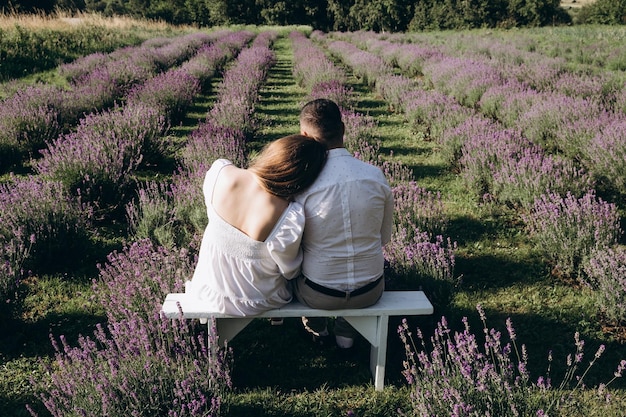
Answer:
(251, 246)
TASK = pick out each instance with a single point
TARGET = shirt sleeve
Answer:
(387, 225)
(284, 245)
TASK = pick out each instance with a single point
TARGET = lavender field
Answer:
(506, 152)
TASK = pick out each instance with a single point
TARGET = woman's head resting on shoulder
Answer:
(289, 165)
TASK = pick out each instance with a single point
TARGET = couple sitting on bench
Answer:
(305, 219)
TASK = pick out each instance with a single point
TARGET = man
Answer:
(349, 217)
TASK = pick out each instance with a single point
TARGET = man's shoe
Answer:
(344, 342)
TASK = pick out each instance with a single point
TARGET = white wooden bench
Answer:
(371, 322)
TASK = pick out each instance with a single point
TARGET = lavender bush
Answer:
(367, 66)
(239, 90)
(134, 281)
(210, 142)
(27, 120)
(42, 227)
(97, 161)
(189, 205)
(131, 368)
(140, 364)
(431, 113)
(394, 90)
(418, 210)
(171, 93)
(334, 90)
(606, 154)
(415, 257)
(464, 79)
(311, 66)
(13, 254)
(482, 154)
(605, 271)
(519, 180)
(455, 373)
(151, 215)
(568, 229)
(453, 139)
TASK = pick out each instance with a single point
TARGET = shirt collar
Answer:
(338, 152)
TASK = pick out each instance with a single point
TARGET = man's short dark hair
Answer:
(324, 116)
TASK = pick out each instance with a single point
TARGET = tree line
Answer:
(342, 15)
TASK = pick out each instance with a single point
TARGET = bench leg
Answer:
(374, 329)
(378, 354)
(230, 327)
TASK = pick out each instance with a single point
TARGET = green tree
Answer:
(198, 12)
(218, 12)
(606, 12)
(377, 15)
(534, 12)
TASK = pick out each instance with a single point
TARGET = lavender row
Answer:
(39, 114)
(516, 59)
(566, 115)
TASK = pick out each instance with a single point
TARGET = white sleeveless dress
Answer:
(238, 275)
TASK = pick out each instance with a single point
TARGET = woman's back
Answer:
(240, 200)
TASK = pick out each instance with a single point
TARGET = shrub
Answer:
(432, 112)
(210, 142)
(606, 154)
(40, 215)
(131, 368)
(607, 12)
(189, 206)
(453, 139)
(13, 253)
(365, 65)
(542, 120)
(141, 364)
(464, 79)
(416, 259)
(605, 271)
(393, 89)
(98, 160)
(568, 229)
(170, 92)
(133, 282)
(418, 210)
(482, 154)
(239, 90)
(28, 120)
(359, 135)
(455, 376)
(521, 179)
(334, 90)
(151, 215)
(311, 66)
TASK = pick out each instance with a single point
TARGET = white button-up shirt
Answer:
(349, 217)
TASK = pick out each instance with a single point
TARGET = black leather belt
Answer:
(343, 294)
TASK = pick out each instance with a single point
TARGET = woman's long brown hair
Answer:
(287, 166)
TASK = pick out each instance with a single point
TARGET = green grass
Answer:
(276, 370)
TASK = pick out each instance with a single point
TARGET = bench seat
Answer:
(371, 322)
